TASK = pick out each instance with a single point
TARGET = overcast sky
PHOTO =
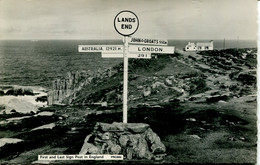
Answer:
(93, 19)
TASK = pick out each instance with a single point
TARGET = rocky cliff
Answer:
(64, 90)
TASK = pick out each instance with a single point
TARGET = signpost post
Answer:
(125, 91)
(126, 23)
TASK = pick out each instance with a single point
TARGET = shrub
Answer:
(248, 79)
(198, 85)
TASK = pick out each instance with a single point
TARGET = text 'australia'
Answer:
(92, 48)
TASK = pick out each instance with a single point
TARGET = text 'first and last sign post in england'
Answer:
(126, 23)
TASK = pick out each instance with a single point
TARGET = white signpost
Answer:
(126, 23)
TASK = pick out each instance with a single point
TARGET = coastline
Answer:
(11, 102)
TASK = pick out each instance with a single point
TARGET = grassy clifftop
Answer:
(183, 76)
(143, 75)
(201, 104)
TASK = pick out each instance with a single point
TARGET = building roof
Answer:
(204, 44)
(191, 44)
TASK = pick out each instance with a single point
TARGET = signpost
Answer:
(126, 23)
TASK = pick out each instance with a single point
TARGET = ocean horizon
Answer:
(39, 62)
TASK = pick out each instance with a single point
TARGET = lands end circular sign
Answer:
(126, 23)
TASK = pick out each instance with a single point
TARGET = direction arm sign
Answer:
(146, 41)
(101, 48)
(151, 49)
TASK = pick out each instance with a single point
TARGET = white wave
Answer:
(23, 104)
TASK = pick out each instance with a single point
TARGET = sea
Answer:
(39, 62)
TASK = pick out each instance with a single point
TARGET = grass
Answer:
(94, 92)
(169, 122)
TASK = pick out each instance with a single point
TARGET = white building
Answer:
(199, 46)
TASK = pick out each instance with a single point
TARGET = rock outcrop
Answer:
(133, 140)
(65, 89)
(20, 91)
(62, 88)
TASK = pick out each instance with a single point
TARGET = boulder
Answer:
(140, 146)
(133, 140)
(106, 136)
(88, 148)
(158, 84)
(104, 127)
(129, 153)
(20, 91)
(168, 82)
(13, 111)
(2, 93)
(147, 91)
(137, 127)
(41, 99)
(123, 140)
(129, 127)
(115, 149)
(10, 92)
(28, 91)
(154, 141)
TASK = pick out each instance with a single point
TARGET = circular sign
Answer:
(126, 23)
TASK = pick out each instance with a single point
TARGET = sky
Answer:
(159, 19)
